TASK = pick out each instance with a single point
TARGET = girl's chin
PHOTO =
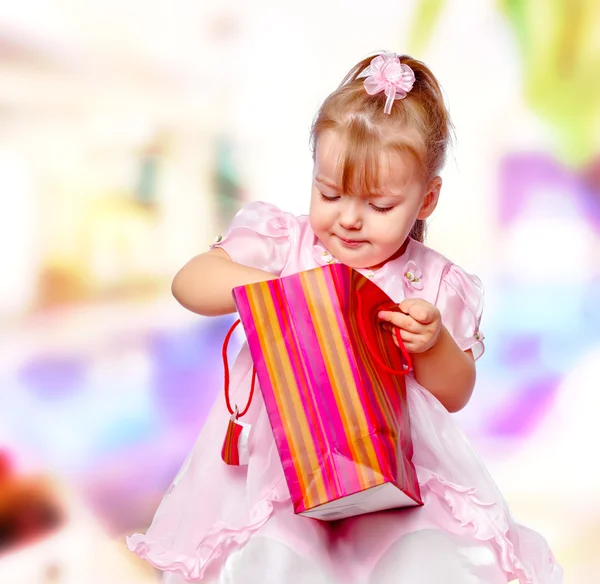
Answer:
(357, 263)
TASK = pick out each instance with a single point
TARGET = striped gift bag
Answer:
(334, 389)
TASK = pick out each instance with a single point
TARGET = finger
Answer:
(409, 340)
(392, 331)
(421, 310)
(407, 303)
(386, 315)
(406, 336)
(410, 325)
(402, 321)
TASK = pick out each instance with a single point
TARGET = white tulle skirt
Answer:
(228, 525)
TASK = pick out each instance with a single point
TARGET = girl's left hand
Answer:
(420, 324)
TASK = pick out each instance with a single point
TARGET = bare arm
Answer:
(440, 365)
(446, 371)
(205, 283)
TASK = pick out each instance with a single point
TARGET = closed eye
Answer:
(329, 199)
(381, 209)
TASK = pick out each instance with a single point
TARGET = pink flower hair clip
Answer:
(386, 73)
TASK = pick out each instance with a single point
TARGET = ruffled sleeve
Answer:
(259, 237)
(460, 300)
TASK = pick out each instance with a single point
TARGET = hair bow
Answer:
(386, 73)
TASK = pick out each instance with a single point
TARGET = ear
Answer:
(431, 198)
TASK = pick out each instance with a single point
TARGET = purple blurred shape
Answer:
(524, 409)
(53, 377)
(521, 350)
(188, 371)
(521, 174)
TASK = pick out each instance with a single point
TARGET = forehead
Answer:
(380, 170)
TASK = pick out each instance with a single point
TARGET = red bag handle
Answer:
(226, 376)
(375, 353)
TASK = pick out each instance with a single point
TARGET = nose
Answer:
(350, 216)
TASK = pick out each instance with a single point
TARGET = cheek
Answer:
(315, 201)
(320, 213)
(317, 215)
(390, 230)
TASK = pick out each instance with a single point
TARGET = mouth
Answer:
(351, 242)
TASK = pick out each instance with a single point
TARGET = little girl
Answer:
(379, 143)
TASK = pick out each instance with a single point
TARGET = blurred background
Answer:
(130, 134)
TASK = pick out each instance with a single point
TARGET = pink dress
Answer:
(226, 525)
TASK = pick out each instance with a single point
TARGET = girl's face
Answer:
(364, 230)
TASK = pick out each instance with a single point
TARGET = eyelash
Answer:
(381, 209)
(374, 207)
(328, 199)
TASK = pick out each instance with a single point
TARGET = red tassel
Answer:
(235, 447)
(230, 452)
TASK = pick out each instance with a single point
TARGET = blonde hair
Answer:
(367, 129)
